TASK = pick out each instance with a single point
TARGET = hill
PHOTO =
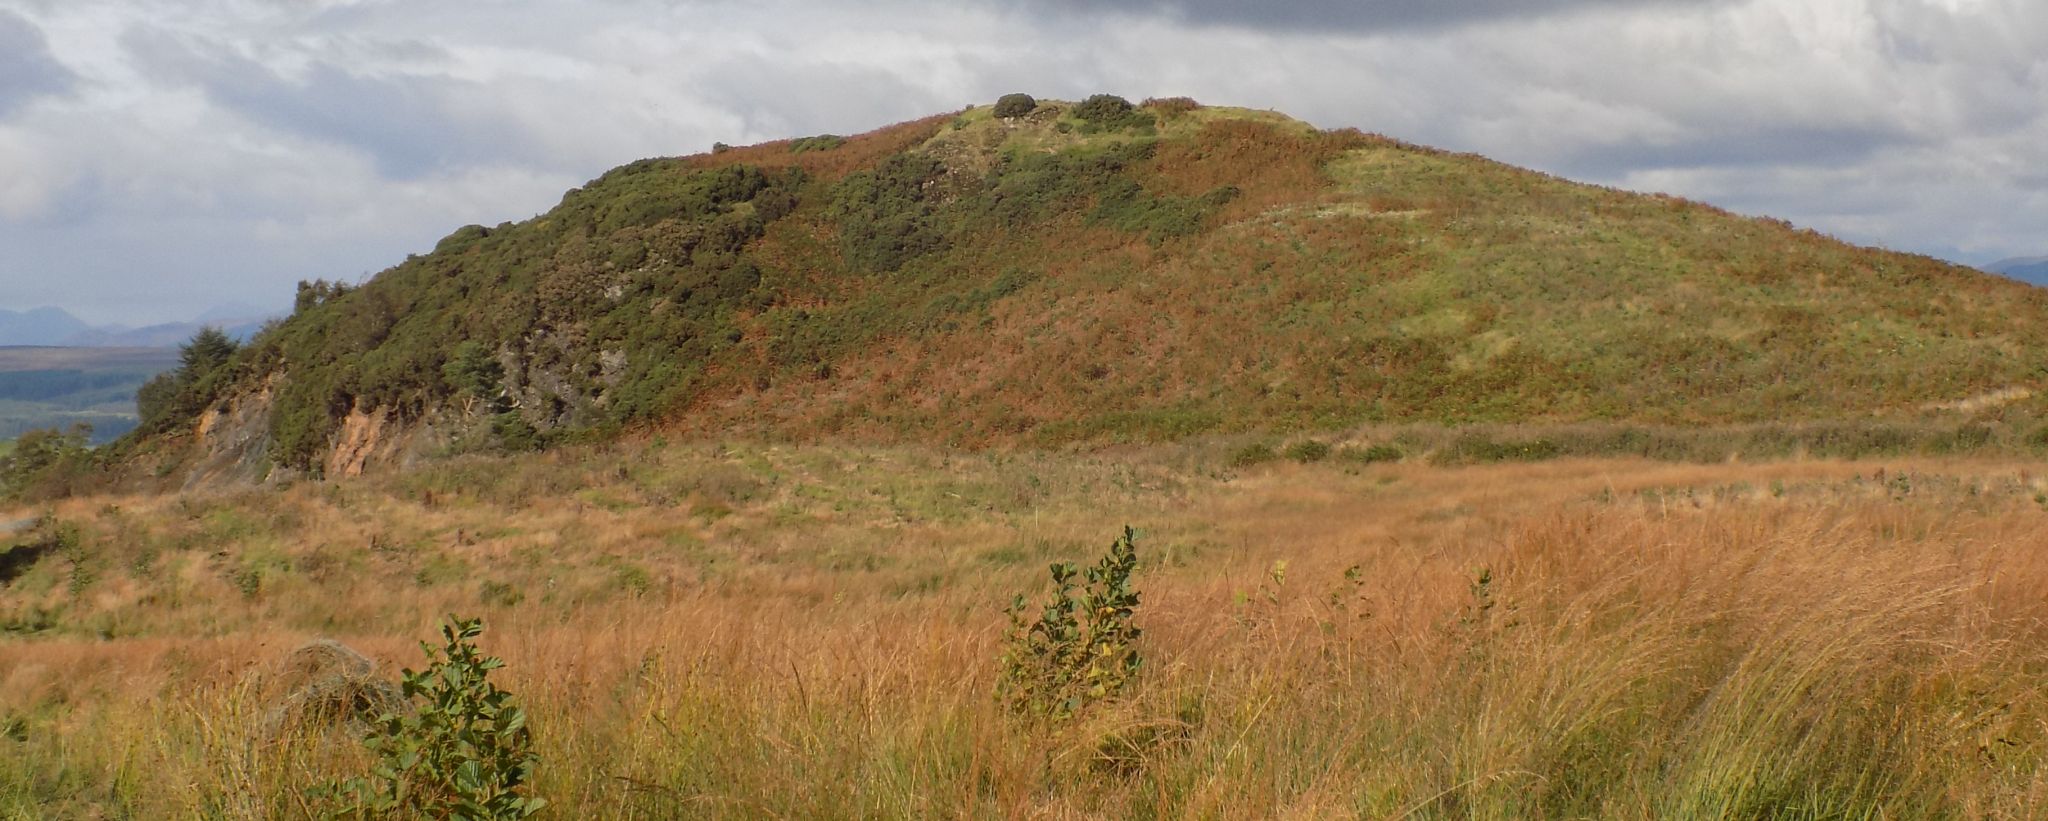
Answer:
(1096, 273)
(2031, 270)
(39, 326)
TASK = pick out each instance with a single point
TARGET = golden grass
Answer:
(760, 632)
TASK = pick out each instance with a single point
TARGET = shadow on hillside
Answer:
(16, 560)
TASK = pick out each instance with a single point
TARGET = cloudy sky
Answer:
(159, 157)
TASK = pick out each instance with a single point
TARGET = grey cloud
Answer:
(27, 69)
(788, 97)
(1761, 146)
(1353, 15)
(411, 125)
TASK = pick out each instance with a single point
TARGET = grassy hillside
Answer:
(815, 632)
(1088, 273)
(59, 387)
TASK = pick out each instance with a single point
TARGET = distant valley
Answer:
(48, 387)
(57, 371)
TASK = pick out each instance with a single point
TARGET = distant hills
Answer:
(39, 326)
(1096, 272)
(2033, 270)
(55, 327)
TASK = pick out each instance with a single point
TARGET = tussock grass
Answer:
(817, 629)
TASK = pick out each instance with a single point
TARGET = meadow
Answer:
(755, 630)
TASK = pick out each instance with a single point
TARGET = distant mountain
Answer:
(40, 326)
(2033, 270)
(165, 335)
(55, 327)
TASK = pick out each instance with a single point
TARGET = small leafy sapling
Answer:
(464, 751)
(1082, 648)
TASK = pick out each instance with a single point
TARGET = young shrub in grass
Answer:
(1256, 453)
(1372, 454)
(1083, 647)
(1171, 107)
(465, 752)
(1308, 450)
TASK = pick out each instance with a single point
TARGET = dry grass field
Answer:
(757, 631)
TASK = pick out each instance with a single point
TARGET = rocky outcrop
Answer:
(231, 441)
(362, 434)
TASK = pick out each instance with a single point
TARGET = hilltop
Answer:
(1091, 273)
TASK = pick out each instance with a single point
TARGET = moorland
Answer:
(792, 481)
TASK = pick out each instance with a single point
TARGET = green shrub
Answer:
(45, 462)
(1083, 647)
(473, 371)
(501, 594)
(884, 215)
(465, 752)
(1255, 453)
(1102, 108)
(1962, 439)
(1108, 112)
(205, 370)
(1015, 105)
(1126, 205)
(822, 142)
(1478, 447)
(1382, 452)
(2038, 438)
(1171, 107)
(1308, 450)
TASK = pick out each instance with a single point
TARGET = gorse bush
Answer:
(1015, 105)
(822, 142)
(1082, 649)
(1108, 112)
(1171, 107)
(887, 217)
(1308, 450)
(1102, 108)
(465, 752)
(1371, 454)
(1256, 453)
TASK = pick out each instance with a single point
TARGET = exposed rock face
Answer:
(231, 441)
(362, 434)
